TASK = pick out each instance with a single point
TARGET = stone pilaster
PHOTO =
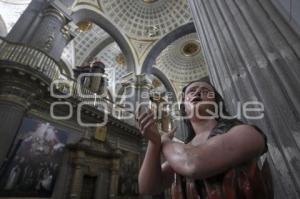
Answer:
(136, 93)
(113, 194)
(253, 55)
(77, 176)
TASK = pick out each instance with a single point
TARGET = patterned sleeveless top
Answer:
(245, 181)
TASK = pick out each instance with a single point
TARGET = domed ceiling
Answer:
(146, 19)
(182, 61)
(144, 22)
(86, 42)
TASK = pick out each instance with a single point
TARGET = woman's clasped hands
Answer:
(149, 130)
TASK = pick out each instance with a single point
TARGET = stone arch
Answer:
(100, 46)
(161, 76)
(87, 13)
(163, 43)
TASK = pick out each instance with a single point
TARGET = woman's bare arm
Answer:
(153, 177)
(239, 144)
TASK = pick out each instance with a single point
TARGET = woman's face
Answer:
(198, 97)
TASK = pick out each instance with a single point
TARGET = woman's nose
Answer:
(197, 92)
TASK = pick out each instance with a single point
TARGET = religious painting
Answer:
(128, 178)
(32, 168)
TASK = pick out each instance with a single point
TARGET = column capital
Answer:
(17, 92)
(137, 81)
(51, 11)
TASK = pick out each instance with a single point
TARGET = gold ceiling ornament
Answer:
(120, 59)
(190, 48)
(156, 83)
(84, 26)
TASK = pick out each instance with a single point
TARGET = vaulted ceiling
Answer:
(142, 23)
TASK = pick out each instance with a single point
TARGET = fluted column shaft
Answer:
(253, 55)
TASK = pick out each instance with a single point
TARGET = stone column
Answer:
(16, 96)
(136, 93)
(42, 26)
(253, 55)
(28, 22)
(11, 114)
(76, 183)
(113, 194)
(77, 175)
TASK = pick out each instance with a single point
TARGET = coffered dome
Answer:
(147, 19)
(182, 60)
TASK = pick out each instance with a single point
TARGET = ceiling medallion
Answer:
(84, 26)
(190, 48)
(120, 59)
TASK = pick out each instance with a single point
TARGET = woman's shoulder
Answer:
(224, 126)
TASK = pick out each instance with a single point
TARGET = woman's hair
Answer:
(218, 99)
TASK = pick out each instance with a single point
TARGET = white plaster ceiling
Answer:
(86, 42)
(136, 19)
(178, 67)
(11, 10)
(142, 20)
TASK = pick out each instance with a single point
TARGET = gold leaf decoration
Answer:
(120, 59)
(156, 83)
(84, 26)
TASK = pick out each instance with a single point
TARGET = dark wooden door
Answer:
(88, 187)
